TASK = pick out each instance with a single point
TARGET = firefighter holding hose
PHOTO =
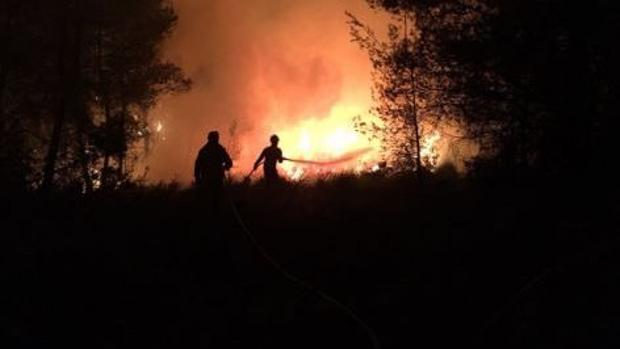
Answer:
(270, 157)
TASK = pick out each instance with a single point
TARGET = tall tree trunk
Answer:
(4, 58)
(60, 115)
(79, 108)
(102, 96)
(416, 125)
(54, 147)
(105, 100)
(84, 163)
(413, 105)
(3, 78)
(122, 154)
(106, 171)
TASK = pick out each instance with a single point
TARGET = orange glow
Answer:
(330, 139)
(429, 149)
(266, 67)
(269, 70)
(334, 141)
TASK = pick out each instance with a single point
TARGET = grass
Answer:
(450, 261)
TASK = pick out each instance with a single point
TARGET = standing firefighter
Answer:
(271, 156)
(212, 162)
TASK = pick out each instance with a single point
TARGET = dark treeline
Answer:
(533, 82)
(76, 81)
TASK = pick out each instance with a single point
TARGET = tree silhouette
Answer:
(533, 81)
(76, 82)
(413, 81)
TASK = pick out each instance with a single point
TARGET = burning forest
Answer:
(252, 79)
(309, 174)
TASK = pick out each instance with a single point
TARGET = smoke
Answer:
(258, 67)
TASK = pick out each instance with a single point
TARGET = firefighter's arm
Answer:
(228, 163)
(260, 158)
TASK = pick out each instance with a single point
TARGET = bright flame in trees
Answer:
(335, 142)
(429, 149)
(331, 140)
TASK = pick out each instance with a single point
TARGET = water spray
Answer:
(352, 155)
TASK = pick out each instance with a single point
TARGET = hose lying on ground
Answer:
(297, 281)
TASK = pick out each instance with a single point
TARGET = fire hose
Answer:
(296, 280)
(344, 158)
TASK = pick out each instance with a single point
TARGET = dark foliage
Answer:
(490, 265)
(76, 81)
(534, 82)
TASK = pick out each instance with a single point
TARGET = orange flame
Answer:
(326, 146)
(332, 145)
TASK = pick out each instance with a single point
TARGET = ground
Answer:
(437, 263)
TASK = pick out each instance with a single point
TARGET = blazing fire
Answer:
(332, 145)
(326, 145)
(429, 149)
(323, 146)
(268, 74)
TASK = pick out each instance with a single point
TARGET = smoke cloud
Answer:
(258, 67)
